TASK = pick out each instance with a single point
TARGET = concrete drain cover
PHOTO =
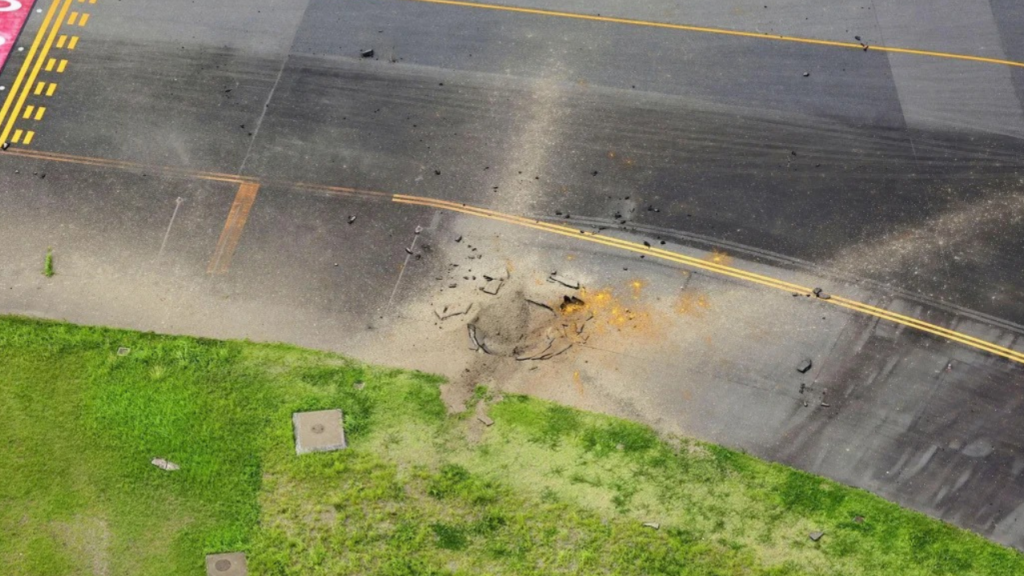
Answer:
(231, 564)
(319, 431)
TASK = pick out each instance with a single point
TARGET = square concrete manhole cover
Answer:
(319, 431)
(230, 564)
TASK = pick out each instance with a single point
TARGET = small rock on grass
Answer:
(815, 536)
(165, 464)
(485, 420)
(654, 525)
(123, 350)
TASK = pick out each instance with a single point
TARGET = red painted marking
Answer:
(13, 15)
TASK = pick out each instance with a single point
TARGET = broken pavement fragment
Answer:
(477, 344)
(366, 53)
(485, 420)
(492, 286)
(804, 366)
(567, 282)
(451, 310)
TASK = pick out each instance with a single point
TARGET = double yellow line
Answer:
(20, 89)
(720, 269)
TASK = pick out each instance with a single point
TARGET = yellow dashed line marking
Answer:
(50, 64)
(39, 88)
(39, 112)
(28, 112)
(73, 19)
(74, 42)
(85, 18)
(62, 41)
(51, 89)
(17, 136)
(60, 67)
(28, 138)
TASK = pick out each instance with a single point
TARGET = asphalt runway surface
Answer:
(228, 171)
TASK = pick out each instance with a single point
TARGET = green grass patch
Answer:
(48, 264)
(546, 490)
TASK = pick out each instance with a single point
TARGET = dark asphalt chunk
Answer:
(804, 366)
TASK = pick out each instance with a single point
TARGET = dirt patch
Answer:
(88, 538)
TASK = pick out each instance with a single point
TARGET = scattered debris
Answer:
(815, 536)
(419, 229)
(620, 446)
(458, 238)
(448, 311)
(653, 525)
(165, 464)
(485, 420)
(408, 250)
(804, 366)
(5, 145)
(493, 286)
(359, 385)
(858, 519)
(351, 219)
(806, 74)
(802, 387)
(123, 350)
(570, 304)
(825, 405)
(819, 294)
(567, 282)
(366, 53)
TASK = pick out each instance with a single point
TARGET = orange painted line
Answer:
(721, 31)
(233, 226)
(128, 166)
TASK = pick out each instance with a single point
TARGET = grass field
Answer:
(545, 490)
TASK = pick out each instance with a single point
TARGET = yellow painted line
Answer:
(28, 112)
(62, 66)
(39, 112)
(74, 42)
(17, 136)
(73, 19)
(12, 95)
(85, 18)
(50, 64)
(233, 226)
(50, 37)
(39, 88)
(737, 273)
(62, 40)
(28, 138)
(51, 89)
(721, 31)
